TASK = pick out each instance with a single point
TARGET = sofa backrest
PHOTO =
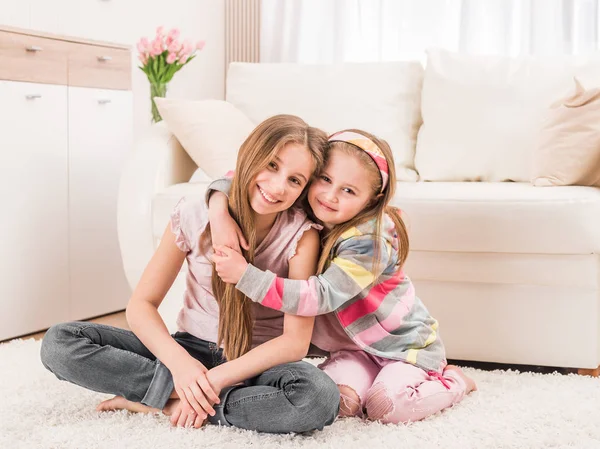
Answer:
(381, 98)
(482, 115)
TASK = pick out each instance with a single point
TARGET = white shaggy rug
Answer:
(510, 410)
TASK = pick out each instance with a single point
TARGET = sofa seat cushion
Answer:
(472, 217)
(501, 217)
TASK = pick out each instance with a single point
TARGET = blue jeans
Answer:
(293, 397)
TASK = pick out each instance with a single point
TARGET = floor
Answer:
(510, 410)
(118, 320)
(115, 319)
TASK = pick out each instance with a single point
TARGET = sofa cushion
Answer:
(482, 114)
(474, 217)
(568, 149)
(501, 217)
(383, 98)
(210, 131)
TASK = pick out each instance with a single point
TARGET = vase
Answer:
(157, 90)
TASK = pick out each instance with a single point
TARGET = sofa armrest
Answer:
(156, 162)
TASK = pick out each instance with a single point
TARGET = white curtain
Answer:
(321, 31)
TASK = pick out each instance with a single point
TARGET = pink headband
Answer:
(369, 147)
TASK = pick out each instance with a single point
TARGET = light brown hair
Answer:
(257, 151)
(377, 208)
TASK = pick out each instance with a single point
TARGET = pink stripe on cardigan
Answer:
(380, 330)
(370, 303)
(274, 297)
(308, 305)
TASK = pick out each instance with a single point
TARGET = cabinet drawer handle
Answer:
(104, 58)
(33, 96)
(104, 101)
(33, 48)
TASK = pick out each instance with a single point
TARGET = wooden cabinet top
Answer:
(51, 59)
(63, 38)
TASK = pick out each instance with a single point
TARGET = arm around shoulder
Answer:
(351, 271)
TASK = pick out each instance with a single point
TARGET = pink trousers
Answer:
(389, 390)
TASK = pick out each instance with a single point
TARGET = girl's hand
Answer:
(230, 265)
(185, 416)
(193, 387)
(224, 230)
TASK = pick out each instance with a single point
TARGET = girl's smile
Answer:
(342, 190)
(269, 198)
(278, 186)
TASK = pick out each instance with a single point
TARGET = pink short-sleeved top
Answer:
(199, 315)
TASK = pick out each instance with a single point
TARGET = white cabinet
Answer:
(65, 129)
(34, 266)
(100, 124)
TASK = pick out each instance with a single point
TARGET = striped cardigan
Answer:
(375, 305)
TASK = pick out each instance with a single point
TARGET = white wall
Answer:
(125, 21)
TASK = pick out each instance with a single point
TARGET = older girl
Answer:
(185, 373)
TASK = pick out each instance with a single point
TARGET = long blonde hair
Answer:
(376, 209)
(257, 151)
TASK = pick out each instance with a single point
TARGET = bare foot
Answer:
(170, 406)
(120, 403)
(470, 383)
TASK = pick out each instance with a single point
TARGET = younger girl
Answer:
(147, 367)
(385, 352)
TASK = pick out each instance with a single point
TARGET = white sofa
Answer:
(511, 271)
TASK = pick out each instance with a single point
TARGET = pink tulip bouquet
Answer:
(162, 58)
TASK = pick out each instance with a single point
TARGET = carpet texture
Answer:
(510, 410)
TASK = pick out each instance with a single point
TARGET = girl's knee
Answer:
(53, 344)
(392, 408)
(328, 399)
(49, 343)
(313, 394)
(350, 404)
(378, 402)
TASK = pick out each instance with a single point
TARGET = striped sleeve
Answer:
(350, 272)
